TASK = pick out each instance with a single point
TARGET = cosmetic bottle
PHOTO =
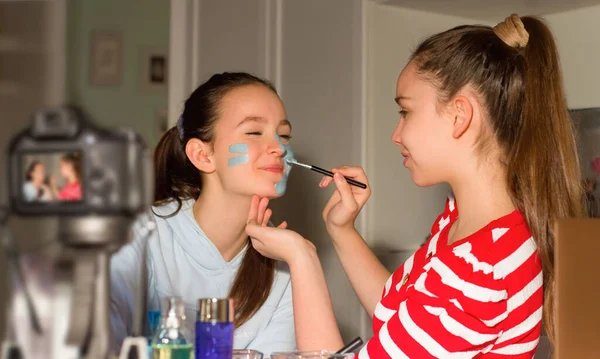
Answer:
(214, 328)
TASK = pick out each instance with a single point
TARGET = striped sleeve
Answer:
(446, 314)
(523, 315)
(460, 308)
(436, 318)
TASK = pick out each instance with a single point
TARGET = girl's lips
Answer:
(273, 168)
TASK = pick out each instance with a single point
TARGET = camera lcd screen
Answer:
(51, 177)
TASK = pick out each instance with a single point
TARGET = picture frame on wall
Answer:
(106, 58)
(587, 124)
(154, 69)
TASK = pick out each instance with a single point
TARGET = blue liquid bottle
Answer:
(154, 318)
(172, 340)
(214, 328)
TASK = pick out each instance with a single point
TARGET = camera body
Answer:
(63, 165)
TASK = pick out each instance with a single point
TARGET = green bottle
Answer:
(172, 340)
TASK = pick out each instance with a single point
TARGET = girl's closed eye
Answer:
(254, 133)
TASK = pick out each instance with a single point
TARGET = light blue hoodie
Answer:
(183, 262)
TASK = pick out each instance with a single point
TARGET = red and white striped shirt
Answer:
(480, 297)
(70, 192)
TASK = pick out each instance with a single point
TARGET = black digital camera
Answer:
(63, 165)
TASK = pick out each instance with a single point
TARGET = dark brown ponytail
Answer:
(177, 179)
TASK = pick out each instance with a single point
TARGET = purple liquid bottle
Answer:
(214, 328)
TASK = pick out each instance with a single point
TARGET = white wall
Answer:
(227, 23)
(322, 91)
(579, 49)
(576, 34)
(132, 102)
(400, 213)
(209, 37)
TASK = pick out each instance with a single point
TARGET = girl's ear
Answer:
(463, 114)
(199, 153)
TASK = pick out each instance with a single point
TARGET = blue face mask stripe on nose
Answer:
(281, 186)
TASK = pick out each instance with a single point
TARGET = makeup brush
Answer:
(351, 347)
(322, 171)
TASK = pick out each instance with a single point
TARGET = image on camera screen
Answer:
(51, 177)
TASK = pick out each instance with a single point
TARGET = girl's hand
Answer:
(47, 193)
(276, 243)
(347, 201)
(260, 213)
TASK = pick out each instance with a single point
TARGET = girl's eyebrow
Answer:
(283, 122)
(397, 99)
(252, 119)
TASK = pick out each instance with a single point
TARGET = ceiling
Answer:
(491, 10)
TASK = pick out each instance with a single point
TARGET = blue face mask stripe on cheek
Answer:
(238, 148)
(238, 160)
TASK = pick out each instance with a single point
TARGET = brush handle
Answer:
(330, 174)
(351, 347)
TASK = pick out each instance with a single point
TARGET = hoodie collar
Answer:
(188, 234)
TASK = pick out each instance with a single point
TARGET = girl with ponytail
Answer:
(482, 109)
(228, 145)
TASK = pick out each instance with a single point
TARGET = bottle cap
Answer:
(216, 310)
(173, 307)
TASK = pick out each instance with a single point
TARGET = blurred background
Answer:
(132, 63)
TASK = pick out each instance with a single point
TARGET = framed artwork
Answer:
(154, 68)
(106, 58)
(587, 123)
